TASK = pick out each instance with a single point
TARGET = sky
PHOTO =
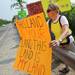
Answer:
(7, 13)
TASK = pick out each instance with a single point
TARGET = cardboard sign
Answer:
(34, 8)
(64, 5)
(22, 14)
(45, 4)
(34, 55)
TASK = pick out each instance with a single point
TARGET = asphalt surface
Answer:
(9, 41)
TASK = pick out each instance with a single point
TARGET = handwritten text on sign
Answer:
(34, 54)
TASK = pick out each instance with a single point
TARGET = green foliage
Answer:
(71, 18)
(3, 22)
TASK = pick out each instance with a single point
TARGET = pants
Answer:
(69, 47)
(62, 52)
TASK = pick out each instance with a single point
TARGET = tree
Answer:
(4, 22)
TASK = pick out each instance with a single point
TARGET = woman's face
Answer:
(52, 15)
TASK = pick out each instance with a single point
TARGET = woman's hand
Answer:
(54, 43)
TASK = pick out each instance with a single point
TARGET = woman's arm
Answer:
(65, 32)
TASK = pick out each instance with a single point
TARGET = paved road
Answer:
(9, 41)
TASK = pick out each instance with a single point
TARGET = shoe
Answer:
(64, 70)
